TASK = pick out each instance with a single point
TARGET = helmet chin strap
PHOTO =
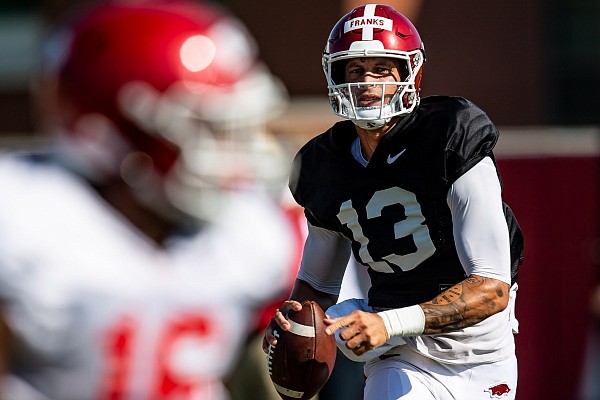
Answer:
(371, 124)
(367, 117)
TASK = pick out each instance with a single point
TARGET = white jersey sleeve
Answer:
(482, 243)
(480, 230)
(324, 260)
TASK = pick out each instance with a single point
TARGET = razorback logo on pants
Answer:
(496, 392)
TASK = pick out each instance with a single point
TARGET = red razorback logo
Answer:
(498, 391)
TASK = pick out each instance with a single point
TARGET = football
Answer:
(302, 360)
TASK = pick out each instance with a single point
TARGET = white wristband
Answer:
(406, 321)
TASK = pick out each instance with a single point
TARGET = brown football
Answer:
(302, 360)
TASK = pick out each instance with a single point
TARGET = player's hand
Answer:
(279, 321)
(362, 331)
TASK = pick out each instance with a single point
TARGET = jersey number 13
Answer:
(413, 225)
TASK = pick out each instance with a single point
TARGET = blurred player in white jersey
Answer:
(134, 253)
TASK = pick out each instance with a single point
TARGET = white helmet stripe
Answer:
(367, 33)
(368, 22)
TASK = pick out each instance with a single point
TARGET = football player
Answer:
(135, 252)
(409, 186)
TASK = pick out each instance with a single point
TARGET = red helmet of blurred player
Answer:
(167, 95)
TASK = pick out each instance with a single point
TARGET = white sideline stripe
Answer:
(301, 330)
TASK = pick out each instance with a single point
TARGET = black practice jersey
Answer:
(394, 210)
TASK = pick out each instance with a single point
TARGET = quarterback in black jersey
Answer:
(397, 202)
(409, 187)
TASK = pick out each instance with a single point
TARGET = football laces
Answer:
(270, 354)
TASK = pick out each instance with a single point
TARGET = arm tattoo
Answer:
(465, 304)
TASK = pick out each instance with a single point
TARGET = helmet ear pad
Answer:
(418, 79)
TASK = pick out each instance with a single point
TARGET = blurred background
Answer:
(532, 65)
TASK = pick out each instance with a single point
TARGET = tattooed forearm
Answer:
(465, 304)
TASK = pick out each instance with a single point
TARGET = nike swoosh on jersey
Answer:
(391, 159)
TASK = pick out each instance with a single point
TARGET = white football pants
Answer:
(412, 376)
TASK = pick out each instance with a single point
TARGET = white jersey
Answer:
(99, 312)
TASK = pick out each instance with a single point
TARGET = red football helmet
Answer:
(167, 94)
(373, 30)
